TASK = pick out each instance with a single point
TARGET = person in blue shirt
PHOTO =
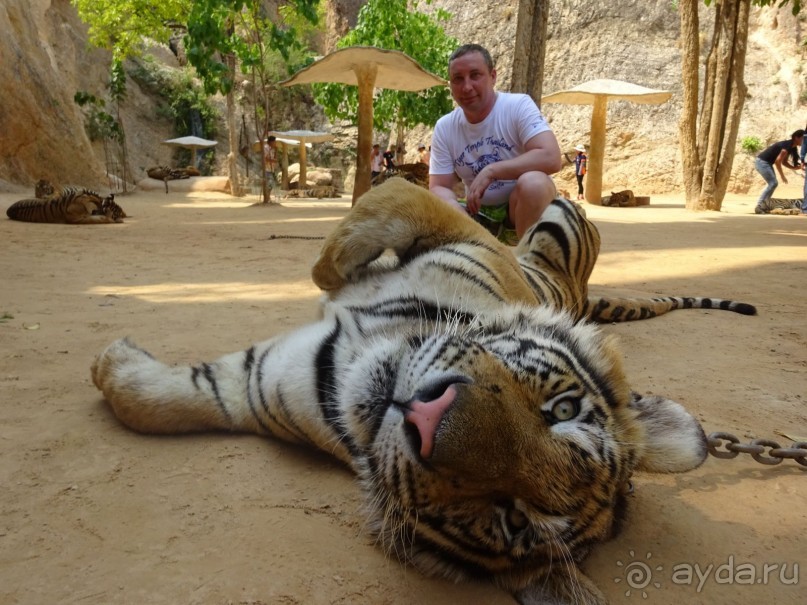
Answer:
(776, 155)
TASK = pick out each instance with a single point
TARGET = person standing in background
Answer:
(389, 158)
(776, 155)
(423, 154)
(375, 161)
(580, 168)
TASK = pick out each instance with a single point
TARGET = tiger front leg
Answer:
(151, 397)
(396, 215)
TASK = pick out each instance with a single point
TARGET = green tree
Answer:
(122, 25)
(709, 136)
(396, 25)
(224, 33)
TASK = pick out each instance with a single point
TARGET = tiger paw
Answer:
(325, 273)
(118, 369)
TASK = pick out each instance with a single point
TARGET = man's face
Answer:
(472, 84)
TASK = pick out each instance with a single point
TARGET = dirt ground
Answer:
(92, 513)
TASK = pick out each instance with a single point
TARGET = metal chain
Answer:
(296, 237)
(757, 449)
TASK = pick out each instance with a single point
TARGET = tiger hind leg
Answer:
(558, 254)
(396, 215)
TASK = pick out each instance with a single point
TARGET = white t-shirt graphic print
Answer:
(465, 148)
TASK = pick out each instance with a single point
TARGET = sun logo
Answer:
(638, 574)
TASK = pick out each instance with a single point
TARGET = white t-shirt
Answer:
(465, 148)
(375, 162)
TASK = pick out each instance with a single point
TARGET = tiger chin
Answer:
(491, 427)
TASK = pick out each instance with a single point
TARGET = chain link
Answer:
(273, 236)
(757, 448)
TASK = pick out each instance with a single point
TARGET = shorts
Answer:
(496, 220)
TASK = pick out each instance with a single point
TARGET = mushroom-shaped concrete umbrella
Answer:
(303, 138)
(366, 67)
(192, 143)
(598, 93)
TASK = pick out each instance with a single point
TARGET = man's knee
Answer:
(535, 189)
(533, 193)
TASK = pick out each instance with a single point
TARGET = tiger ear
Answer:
(674, 441)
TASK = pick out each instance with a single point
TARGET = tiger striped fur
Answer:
(72, 206)
(777, 205)
(417, 173)
(319, 192)
(491, 427)
(43, 189)
(166, 173)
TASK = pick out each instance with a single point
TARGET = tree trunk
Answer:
(365, 75)
(232, 157)
(707, 163)
(690, 53)
(530, 44)
(736, 102)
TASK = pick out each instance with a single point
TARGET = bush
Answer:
(751, 144)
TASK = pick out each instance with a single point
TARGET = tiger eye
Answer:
(565, 410)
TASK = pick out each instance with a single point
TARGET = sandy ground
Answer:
(93, 513)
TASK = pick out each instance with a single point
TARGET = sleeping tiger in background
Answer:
(319, 192)
(491, 427)
(166, 173)
(417, 173)
(777, 205)
(72, 205)
(44, 188)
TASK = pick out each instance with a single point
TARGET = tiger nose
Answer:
(426, 416)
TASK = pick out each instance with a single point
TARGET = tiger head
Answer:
(505, 449)
(110, 209)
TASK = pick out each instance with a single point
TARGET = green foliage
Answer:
(122, 25)
(221, 30)
(396, 25)
(182, 95)
(97, 121)
(751, 144)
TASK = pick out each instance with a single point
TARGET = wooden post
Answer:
(284, 167)
(303, 172)
(365, 75)
(596, 152)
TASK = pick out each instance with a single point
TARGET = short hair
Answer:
(271, 139)
(797, 134)
(376, 145)
(473, 48)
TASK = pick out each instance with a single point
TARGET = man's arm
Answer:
(778, 163)
(786, 159)
(442, 185)
(542, 154)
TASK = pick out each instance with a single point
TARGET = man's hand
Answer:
(477, 189)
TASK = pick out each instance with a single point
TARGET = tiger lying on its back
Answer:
(72, 206)
(492, 431)
(166, 173)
